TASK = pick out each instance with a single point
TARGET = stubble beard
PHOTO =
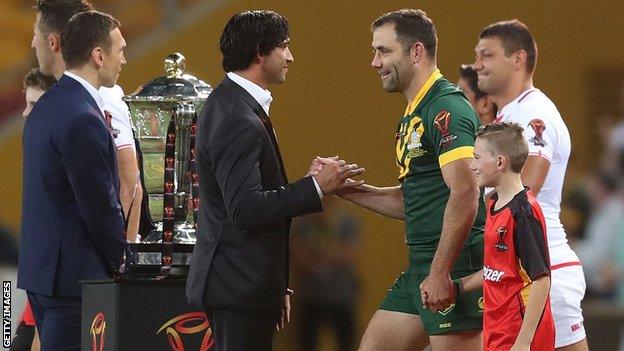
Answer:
(391, 84)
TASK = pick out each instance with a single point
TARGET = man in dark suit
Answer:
(239, 268)
(72, 225)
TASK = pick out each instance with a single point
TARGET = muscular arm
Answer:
(387, 201)
(459, 214)
(534, 172)
(130, 191)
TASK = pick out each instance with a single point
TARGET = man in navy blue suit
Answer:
(72, 224)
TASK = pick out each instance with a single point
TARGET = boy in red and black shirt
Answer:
(516, 264)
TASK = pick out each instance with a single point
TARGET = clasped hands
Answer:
(333, 175)
(437, 292)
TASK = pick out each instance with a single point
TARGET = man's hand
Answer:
(437, 292)
(285, 314)
(332, 176)
(318, 163)
(350, 186)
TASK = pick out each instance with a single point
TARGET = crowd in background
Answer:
(595, 221)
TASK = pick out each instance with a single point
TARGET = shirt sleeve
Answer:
(451, 126)
(120, 122)
(531, 247)
(122, 132)
(540, 133)
(539, 137)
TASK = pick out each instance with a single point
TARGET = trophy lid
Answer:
(175, 86)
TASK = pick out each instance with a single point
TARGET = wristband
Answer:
(457, 286)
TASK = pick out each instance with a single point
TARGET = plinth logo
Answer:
(98, 329)
(188, 324)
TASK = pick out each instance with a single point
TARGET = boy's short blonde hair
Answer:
(507, 139)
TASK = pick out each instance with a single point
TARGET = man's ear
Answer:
(54, 42)
(417, 52)
(258, 58)
(486, 104)
(520, 59)
(97, 56)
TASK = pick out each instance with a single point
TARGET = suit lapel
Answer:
(266, 121)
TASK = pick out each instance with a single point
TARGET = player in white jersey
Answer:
(130, 191)
(506, 55)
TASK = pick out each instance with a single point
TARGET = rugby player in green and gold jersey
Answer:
(438, 197)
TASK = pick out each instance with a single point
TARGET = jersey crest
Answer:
(408, 144)
(501, 246)
(441, 123)
(538, 127)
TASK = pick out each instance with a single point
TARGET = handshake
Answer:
(333, 175)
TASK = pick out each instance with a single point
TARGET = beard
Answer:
(392, 83)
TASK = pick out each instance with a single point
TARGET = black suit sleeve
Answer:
(235, 152)
(84, 149)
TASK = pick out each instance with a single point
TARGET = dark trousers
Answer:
(340, 318)
(242, 331)
(58, 322)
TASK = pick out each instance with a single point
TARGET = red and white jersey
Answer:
(120, 116)
(548, 137)
(515, 255)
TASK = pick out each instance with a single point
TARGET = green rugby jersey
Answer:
(438, 127)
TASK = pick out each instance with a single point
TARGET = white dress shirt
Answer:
(90, 88)
(264, 98)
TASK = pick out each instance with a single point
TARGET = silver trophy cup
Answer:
(163, 113)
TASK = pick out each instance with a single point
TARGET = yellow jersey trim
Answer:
(526, 289)
(456, 154)
(435, 75)
(402, 145)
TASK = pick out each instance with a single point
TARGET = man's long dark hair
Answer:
(249, 33)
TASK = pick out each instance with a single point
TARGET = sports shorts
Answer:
(465, 314)
(567, 290)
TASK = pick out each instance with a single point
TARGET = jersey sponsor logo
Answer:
(501, 246)
(576, 327)
(447, 310)
(493, 275)
(538, 127)
(441, 123)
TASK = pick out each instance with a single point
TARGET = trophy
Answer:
(164, 114)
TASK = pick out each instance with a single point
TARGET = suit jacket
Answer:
(240, 260)
(72, 224)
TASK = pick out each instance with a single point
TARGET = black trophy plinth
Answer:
(141, 314)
